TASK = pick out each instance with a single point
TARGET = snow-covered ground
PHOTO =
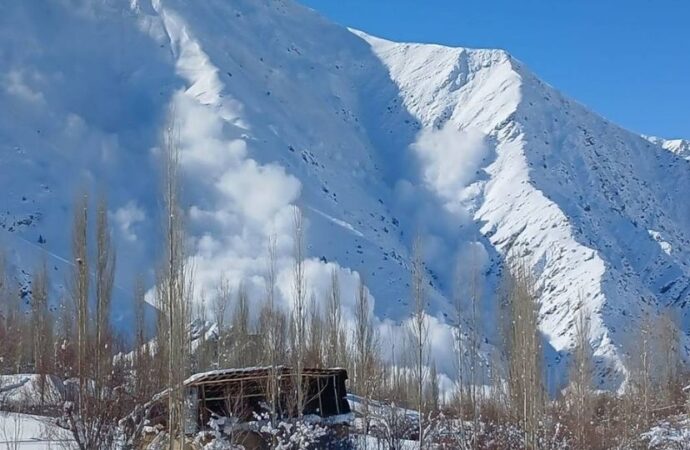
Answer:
(671, 434)
(27, 432)
(30, 391)
(376, 141)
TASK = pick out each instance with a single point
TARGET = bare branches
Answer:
(299, 313)
(80, 286)
(524, 353)
(419, 331)
(175, 284)
(105, 277)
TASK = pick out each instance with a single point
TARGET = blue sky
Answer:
(627, 60)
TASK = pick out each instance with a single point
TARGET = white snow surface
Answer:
(24, 391)
(29, 432)
(375, 141)
(680, 147)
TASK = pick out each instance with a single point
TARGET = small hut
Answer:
(245, 393)
(236, 400)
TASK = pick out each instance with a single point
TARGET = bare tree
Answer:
(335, 345)
(365, 342)
(221, 303)
(92, 420)
(5, 324)
(202, 356)
(175, 286)
(524, 353)
(162, 329)
(299, 307)
(314, 356)
(669, 342)
(146, 381)
(468, 343)
(419, 332)
(642, 372)
(80, 287)
(242, 354)
(64, 350)
(42, 324)
(105, 274)
(272, 331)
(581, 370)
(433, 393)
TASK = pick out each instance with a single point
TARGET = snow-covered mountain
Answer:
(680, 147)
(375, 141)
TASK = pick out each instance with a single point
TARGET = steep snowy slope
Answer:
(376, 141)
(599, 212)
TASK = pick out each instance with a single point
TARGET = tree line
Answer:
(499, 398)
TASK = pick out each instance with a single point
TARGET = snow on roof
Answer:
(220, 375)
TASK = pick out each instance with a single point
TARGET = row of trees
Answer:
(500, 399)
(312, 333)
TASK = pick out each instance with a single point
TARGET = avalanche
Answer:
(376, 141)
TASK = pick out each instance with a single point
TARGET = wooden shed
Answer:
(243, 393)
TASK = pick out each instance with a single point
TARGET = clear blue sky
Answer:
(627, 60)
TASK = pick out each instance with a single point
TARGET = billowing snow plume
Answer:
(376, 142)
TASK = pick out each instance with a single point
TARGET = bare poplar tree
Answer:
(14, 323)
(80, 288)
(65, 344)
(475, 338)
(434, 393)
(146, 382)
(93, 419)
(581, 370)
(4, 312)
(419, 331)
(41, 323)
(524, 354)
(669, 342)
(468, 343)
(299, 307)
(366, 350)
(202, 359)
(221, 302)
(273, 334)
(314, 356)
(162, 328)
(240, 329)
(335, 350)
(642, 372)
(105, 275)
(175, 286)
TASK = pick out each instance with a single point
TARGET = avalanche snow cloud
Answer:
(376, 142)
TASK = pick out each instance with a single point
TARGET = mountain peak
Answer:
(375, 141)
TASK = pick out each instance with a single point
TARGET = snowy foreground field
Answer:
(29, 432)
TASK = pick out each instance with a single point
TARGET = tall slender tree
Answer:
(42, 327)
(175, 285)
(335, 350)
(272, 330)
(242, 354)
(299, 306)
(524, 353)
(105, 275)
(221, 303)
(419, 331)
(80, 288)
(365, 341)
(581, 371)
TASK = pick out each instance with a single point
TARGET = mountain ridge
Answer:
(376, 141)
